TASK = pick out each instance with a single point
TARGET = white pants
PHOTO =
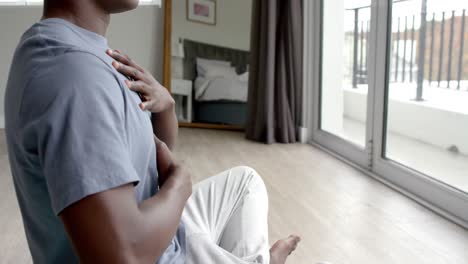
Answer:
(226, 219)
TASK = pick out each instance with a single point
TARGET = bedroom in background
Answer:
(209, 72)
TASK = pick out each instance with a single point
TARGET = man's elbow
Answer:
(113, 254)
(131, 245)
(140, 246)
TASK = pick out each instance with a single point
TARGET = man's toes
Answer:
(297, 238)
(294, 240)
(288, 244)
(281, 249)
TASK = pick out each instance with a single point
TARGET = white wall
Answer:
(232, 27)
(13, 22)
(139, 33)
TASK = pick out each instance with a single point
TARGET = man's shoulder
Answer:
(79, 61)
(57, 47)
(72, 79)
(73, 75)
(43, 54)
(76, 67)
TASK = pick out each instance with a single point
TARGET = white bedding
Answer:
(220, 88)
(218, 80)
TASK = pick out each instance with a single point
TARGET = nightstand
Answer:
(182, 92)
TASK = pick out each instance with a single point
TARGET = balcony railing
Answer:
(425, 49)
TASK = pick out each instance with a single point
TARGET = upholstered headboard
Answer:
(193, 50)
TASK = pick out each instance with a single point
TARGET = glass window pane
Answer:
(346, 25)
(427, 115)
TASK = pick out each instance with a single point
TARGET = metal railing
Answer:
(434, 58)
(451, 42)
(360, 37)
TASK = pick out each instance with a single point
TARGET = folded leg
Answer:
(226, 219)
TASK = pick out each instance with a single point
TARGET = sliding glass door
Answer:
(344, 77)
(427, 105)
(392, 94)
(421, 101)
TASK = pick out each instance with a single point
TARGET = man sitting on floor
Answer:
(93, 182)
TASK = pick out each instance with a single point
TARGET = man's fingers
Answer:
(147, 105)
(124, 59)
(143, 106)
(138, 86)
(142, 88)
(117, 55)
(164, 159)
(128, 70)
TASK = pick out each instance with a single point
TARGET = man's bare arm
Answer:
(166, 126)
(110, 227)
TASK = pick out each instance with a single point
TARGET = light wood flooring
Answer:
(343, 215)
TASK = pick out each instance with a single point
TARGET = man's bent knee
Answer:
(251, 178)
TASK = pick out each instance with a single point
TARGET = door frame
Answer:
(313, 47)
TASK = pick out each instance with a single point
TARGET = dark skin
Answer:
(126, 232)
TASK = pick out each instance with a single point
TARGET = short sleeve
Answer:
(80, 129)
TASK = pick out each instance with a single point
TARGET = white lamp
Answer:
(177, 49)
(177, 53)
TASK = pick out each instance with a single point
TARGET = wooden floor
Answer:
(343, 215)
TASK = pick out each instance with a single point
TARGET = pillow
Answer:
(225, 72)
(203, 65)
(244, 77)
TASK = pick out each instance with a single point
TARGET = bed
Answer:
(217, 108)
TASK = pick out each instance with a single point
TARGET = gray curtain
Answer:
(275, 85)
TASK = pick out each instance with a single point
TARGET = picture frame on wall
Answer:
(202, 11)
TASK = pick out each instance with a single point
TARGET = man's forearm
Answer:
(161, 216)
(127, 232)
(165, 126)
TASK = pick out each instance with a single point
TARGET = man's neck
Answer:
(85, 15)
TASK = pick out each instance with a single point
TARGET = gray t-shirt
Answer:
(73, 129)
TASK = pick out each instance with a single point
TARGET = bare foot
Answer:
(283, 248)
